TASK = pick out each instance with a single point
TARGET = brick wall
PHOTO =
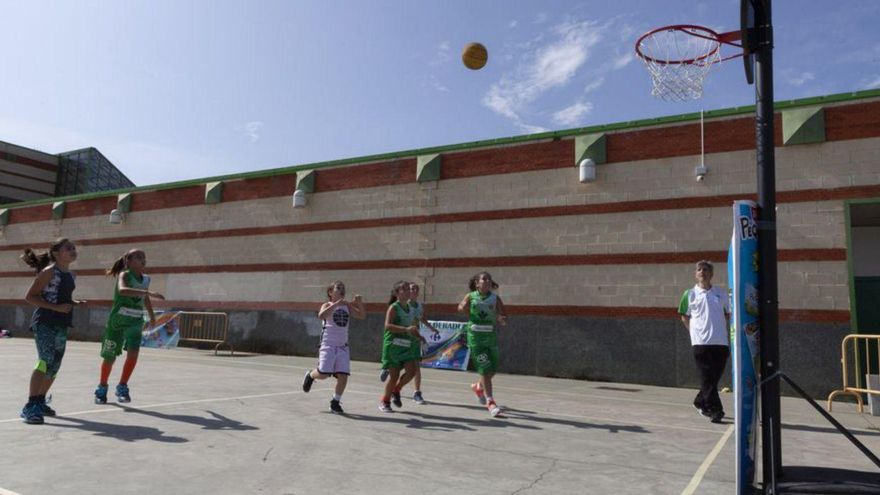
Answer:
(621, 247)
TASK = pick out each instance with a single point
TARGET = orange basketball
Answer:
(474, 56)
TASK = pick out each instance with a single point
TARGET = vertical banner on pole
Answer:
(742, 271)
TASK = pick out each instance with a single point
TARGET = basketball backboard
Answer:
(749, 37)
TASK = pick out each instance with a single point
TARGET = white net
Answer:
(678, 60)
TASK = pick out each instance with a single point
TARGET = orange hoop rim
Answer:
(729, 38)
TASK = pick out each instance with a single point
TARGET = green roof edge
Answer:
(413, 153)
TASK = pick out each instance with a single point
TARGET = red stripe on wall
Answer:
(784, 255)
(103, 206)
(618, 312)
(30, 162)
(856, 121)
(504, 160)
(28, 177)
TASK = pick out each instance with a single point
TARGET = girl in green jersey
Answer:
(401, 345)
(131, 297)
(485, 312)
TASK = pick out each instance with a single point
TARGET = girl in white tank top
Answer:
(333, 355)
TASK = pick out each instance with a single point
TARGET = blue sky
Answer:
(174, 90)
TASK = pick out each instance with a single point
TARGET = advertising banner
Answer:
(742, 269)
(446, 350)
(166, 333)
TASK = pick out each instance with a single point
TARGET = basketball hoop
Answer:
(679, 58)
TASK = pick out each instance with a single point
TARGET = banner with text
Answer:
(446, 349)
(742, 271)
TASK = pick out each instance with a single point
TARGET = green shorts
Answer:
(485, 358)
(121, 333)
(399, 351)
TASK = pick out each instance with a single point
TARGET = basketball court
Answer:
(200, 423)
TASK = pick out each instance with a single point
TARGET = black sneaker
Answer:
(395, 399)
(31, 414)
(101, 394)
(417, 397)
(335, 407)
(308, 381)
(717, 417)
(123, 393)
(46, 410)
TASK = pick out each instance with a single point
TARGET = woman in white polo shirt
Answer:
(705, 310)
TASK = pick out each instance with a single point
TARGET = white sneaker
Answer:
(494, 409)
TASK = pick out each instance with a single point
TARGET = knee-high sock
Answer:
(127, 368)
(106, 366)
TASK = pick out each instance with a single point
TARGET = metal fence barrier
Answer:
(212, 328)
(868, 343)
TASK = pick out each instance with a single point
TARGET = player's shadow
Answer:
(533, 416)
(448, 424)
(612, 428)
(828, 429)
(474, 407)
(126, 433)
(486, 422)
(217, 422)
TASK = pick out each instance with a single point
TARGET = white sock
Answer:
(489, 398)
(337, 397)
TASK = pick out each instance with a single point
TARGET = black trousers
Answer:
(711, 361)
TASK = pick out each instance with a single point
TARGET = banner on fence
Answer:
(447, 349)
(165, 334)
(742, 269)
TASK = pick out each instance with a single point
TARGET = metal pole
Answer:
(769, 305)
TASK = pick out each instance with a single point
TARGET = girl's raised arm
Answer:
(327, 308)
(462, 306)
(357, 308)
(125, 290)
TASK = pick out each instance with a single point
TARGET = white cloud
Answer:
(252, 130)
(594, 85)
(623, 60)
(871, 82)
(436, 84)
(573, 115)
(798, 80)
(544, 68)
(442, 56)
(532, 129)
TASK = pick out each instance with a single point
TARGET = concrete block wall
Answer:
(585, 264)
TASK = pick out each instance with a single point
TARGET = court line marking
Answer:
(165, 404)
(4, 491)
(328, 389)
(434, 380)
(704, 467)
(447, 382)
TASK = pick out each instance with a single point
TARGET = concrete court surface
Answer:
(241, 425)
